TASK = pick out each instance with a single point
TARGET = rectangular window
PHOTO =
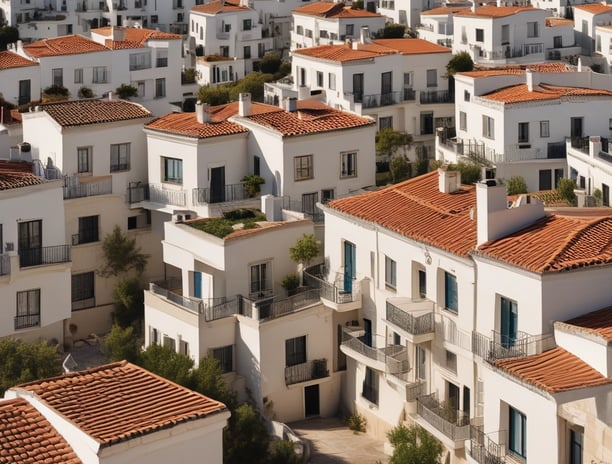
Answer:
(331, 77)
(99, 75)
(160, 88)
(169, 342)
(57, 75)
(28, 309)
(260, 280)
(303, 167)
(488, 127)
(462, 120)
(532, 29)
(466, 96)
(225, 356)
(120, 157)
(505, 36)
(319, 79)
(385, 123)
(432, 78)
(161, 60)
(544, 129)
(88, 229)
(299, 30)
(140, 86)
(408, 80)
(427, 122)
(508, 322)
(451, 361)
(370, 386)
(349, 30)
(247, 52)
(295, 351)
(327, 195)
(173, 170)
(348, 164)
(84, 159)
(420, 361)
(518, 432)
(154, 336)
(390, 273)
(558, 176)
(422, 283)
(523, 132)
(83, 291)
(575, 443)
(24, 91)
(246, 24)
(479, 35)
(78, 76)
(450, 292)
(308, 33)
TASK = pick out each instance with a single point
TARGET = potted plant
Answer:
(252, 183)
(291, 282)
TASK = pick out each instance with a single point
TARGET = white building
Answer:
(19, 78)
(35, 257)
(327, 23)
(100, 149)
(437, 24)
(69, 417)
(603, 46)
(586, 19)
(406, 12)
(398, 82)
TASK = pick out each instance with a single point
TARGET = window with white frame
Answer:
(479, 35)
(462, 120)
(120, 157)
(84, 160)
(488, 127)
(140, 61)
(348, 164)
(299, 30)
(385, 122)
(303, 167)
(432, 78)
(83, 294)
(260, 279)
(99, 75)
(160, 87)
(169, 342)
(390, 273)
(532, 29)
(544, 129)
(523, 132)
(331, 77)
(319, 78)
(28, 309)
(350, 28)
(173, 170)
(247, 24)
(154, 338)
(450, 293)
(517, 431)
(247, 52)
(161, 58)
(308, 33)
(78, 76)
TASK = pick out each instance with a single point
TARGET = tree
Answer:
(400, 169)
(208, 380)
(270, 63)
(516, 185)
(166, 362)
(388, 141)
(421, 166)
(565, 188)
(252, 83)
(126, 91)
(393, 31)
(305, 249)
(246, 438)
(24, 362)
(470, 172)
(121, 255)
(414, 445)
(461, 62)
(214, 95)
(55, 93)
(283, 451)
(120, 343)
(8, 35)
(85, 92)
(129, 302)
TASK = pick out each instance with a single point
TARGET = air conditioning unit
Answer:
(179, 216)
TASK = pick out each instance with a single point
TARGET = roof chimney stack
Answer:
(473, 6)
(292, 104)
(118, 34)
(532, 78)
(244, 104)
(448, 181)
(110, 95)
(364, 35)
(202, 113)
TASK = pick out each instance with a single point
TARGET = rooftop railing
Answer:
(500, 346)
(156, 194)
(230, 192)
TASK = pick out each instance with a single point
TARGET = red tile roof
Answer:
(120, 401)
(550, 67)
(555, 22)
(16, 174)
(520, 93)
(86, 112)
(595, 8)
(133, 37)
(492, 11)
(596, 322)
(554, 371)
(13, 60)
(333, 10)
(187, 125)
(26, 437)
(412, 46)
(220, 6)
(65, 45)
(444, 10)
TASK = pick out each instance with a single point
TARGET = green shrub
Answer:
(400, 169)
(126, 91)
(283, 452)
(85, 92)
(357, 423)
(55, 93)
(253, 183)
(565, 188)
(516, 185)
(120, 344)
(290, 282)
(414, 445)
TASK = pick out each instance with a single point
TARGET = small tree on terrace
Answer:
(414, 445)
(303, 252)
(516, 185)
(121, 255)
(388, 141)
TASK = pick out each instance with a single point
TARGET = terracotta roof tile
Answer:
(520, 93)
(550, 67)
(187, 125)
(121, 401)
(555, 22)
(595, 8)
(493, 11)
(333, 10)
(444, 10)
(412, 46)
(554, 371)
(10, 60)
(16, 174)
(86, 112)
(65, 45)
(219, 6)
(596, 322)
(133, 37)
(223, 112)
(26, 437)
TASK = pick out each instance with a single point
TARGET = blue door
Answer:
(349, 266)
(509, 320)
(197, 284)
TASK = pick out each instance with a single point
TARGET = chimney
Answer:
(364, 35)
(244, 104)
(292, 104)
(202, 113)
(348, 43)
(303, 92)
(494, 219)
(594, 146)
(473, 6)
(532, 78)
(579, 64)
(448, 181)
(118, 34)
(110, 95)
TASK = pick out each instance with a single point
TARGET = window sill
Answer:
(450, 311)
(352, 176)
(120, 170)
(391, 288)
(305, 178)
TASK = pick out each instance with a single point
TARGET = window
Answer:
(260, 280)
(161, 58)
(385, 123)
(83, 291)
(261, 50)
(557, 41)
(78, 76)
(225, 356)
(451, 361)
(518, 432)
(462, 120)
(327, 195)
(299, 30)
(173, 170)
(432, 78)
(99, 75)
(24, 91)
(544, 129)
(605, 194)
(140, 221)
(303, 167)
(88, 230)
(532, 29)
(450, 292)
(479, 35)
(420, 361)
(331, 77)
(427, 122)
(523, 132)
(390, 273)
(57, 76)
(488, 128)
(140, 86)
(508, 322)
(160, 87)
(370, 386)
(349, 30)
(319, 79)
(575, 445)
(408, 80)
(183, 347)
(246, 24)
(120, 157)
(256, 165)
(84, 159)
(422, 283)
(154, 336)
(28, 309)
(169, 342)
(348, 163)
(466, 96)
(308, 33)
(558, 176)
(505, 36)
(295, 351)
(247, 52)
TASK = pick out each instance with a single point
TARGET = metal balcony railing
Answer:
(28, 320)
(450, 422)
(271, 309)
(310, 370)
(5, 264)
(409, 95)
(500, 346)
(314, 277)
(44, 255)
(385, 99)
(435, 96)
(415, 389)
(413, 324)
(88, 189)
(230, 192)
(156, 194)
(484, 450)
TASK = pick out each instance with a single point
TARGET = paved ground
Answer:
(87, 353)
(332, 442)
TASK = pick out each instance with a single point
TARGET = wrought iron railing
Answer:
(271, 309)
(314, 277)
(435, 96)
(384, 99)
(409, 95)
(44, 255)
(310, 370)
(483, 449)
(415, 389)
(88, 189)
(452, 423)
(230, 192)
(156, 194)
(5, 264)
(415, 325)
(27, 320)
(170, 291)
(500, 346)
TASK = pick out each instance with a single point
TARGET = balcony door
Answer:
(509, 322)
(30, 242)
(217, 184)
(386, 87)
(349, 265)
(453, 395)
(576, 127)
(358, 87)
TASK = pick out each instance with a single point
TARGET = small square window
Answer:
(462, 120)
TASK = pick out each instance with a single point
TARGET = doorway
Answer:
(217, 185)
(311, 400)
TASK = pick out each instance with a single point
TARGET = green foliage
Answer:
(388, 141)
(414, 445)
(121, 255)
(356, 422)
(357, 5)
(166, 362)
(55, 93)
(23, 362)
(218, 95)
(241, 214)
(189, 75)
(400, 169)
(208, 380)
(270, 63)
(305, 249)
(421, 166)
(516, 185)
(461, 62)
(221, 227)
(597, 194)
(245, 439)
(283, 451)
(290, 282)
(121, 343)
(393, 31)
(218, 227)
(85, 92)
(8, 35)
(253, 184)
(252, 83)
(129, 302)
(285, 68)
(126, 91)
(565, 188)
(470, 172)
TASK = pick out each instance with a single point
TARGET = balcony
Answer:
(500, 346)
(484, 450)
(267, 308)
(44, 255)
(28, 320)
(156, 194)
(447, 424)
(80, 187)
(305, 372)
(413, 318)
(5, 264)
(435, 96)
(409, 95)
(231, 192)
(333, 295)
(385, 99)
